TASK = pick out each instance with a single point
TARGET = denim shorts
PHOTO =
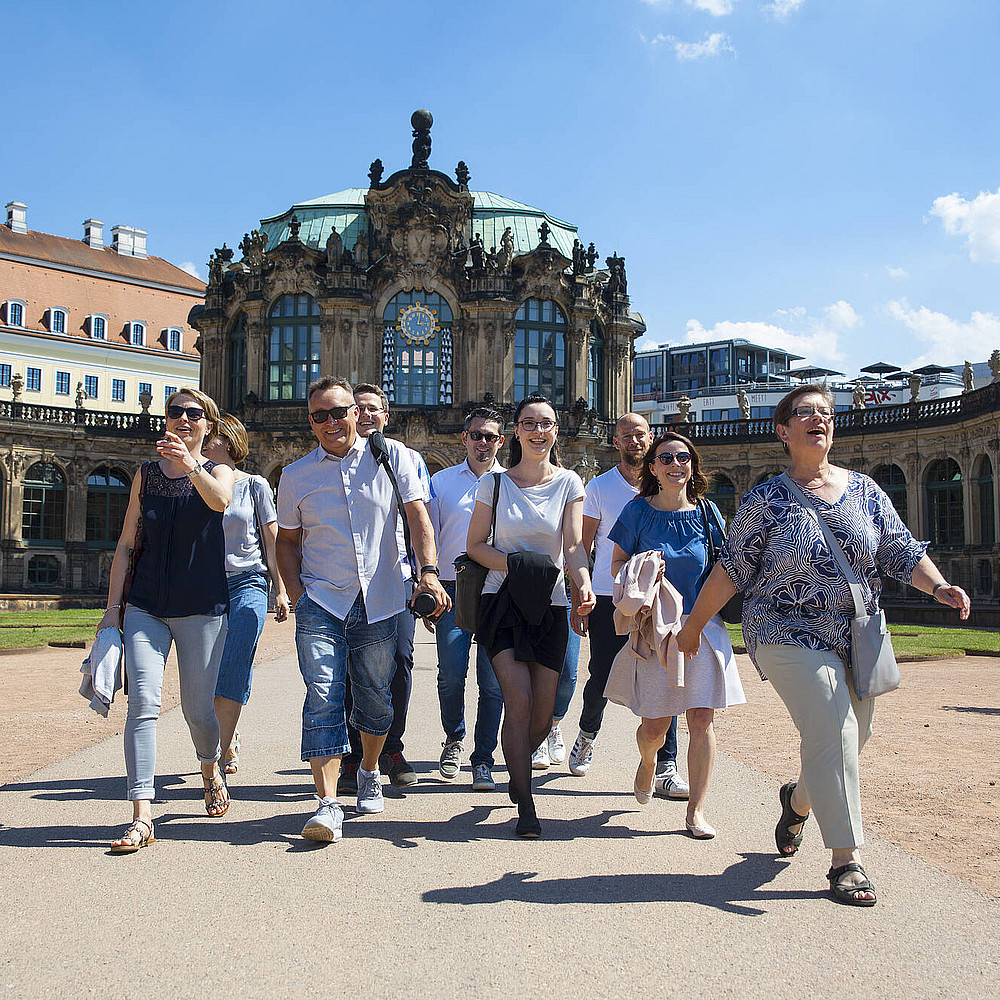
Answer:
(329, 648)
(247, 614)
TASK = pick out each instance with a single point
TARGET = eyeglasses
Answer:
(336, 412)
(486, 436)
(368, 408)
(669, 457)
(193, 412)
(543, 425)
(805, 412)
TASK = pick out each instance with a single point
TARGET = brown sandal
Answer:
(231, 758)
(133, 838)
(216, 796)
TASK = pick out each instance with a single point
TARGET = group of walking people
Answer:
(638, 559)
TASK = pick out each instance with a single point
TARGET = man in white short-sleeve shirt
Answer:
(606, 495)
(337, 555)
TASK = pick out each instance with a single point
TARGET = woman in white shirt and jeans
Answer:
(539, 510)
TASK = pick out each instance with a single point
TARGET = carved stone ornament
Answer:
(994, 364)
(252, 246)
(622, 352)
(375, 173)
(17, 385)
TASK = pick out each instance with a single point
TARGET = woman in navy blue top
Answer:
(666, 518)
(178, 594)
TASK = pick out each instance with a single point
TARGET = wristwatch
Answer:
(430, 569)
(196, 469)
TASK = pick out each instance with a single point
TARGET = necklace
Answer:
(813, 489)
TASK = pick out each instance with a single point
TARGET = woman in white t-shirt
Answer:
(523, 625)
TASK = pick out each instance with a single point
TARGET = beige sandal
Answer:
(231, 758)
(133, 838)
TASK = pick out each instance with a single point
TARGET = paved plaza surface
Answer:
(435, 897)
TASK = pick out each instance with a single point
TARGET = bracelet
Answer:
(113, 607)
(937, 587)
(196, 470)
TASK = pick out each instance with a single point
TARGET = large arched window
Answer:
(984, 489)
(107, 498)
(43, 514)
(945, 512)
(237, 350)
(893, 481)
(293, 355)
(540, 351)
(722, 493)
(416, 349)
(595, 368)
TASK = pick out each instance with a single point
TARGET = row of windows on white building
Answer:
(96, 324)
(91, 384)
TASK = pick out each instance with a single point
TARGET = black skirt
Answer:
(544, 643)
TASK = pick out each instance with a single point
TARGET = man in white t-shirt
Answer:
(606, 495)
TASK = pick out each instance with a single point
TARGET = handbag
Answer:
(470, 576)
(732, 611)
(873, 662)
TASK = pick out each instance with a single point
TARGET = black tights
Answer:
(529, 697)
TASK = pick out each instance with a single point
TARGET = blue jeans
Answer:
(567, 677)
(247, 614)
(453, 645)
(329, 648)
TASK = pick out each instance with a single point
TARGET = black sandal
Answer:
(134, 837)
(788, 842)
(845, 893)
(217, 799)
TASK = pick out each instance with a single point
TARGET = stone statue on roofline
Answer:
(375, 173)
(994, 364)
(684, 408)
(478, 253)
(421, 121)
(579, 257)
(743, 400)
(592, 256)
(915, 382)
(860, 396)
(334, 248)
(506, 253)
(967, 377)
(361, 255)
(17, 385)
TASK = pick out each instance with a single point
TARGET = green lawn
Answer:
(924, 640)
(28, 629)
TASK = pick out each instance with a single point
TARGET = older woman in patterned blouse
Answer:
(797, 619)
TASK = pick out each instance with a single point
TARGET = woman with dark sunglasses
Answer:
(177, 594)
(666, 518)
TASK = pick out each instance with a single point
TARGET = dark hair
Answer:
(697, 485)
(514, 454)
(484, 413)
(325, 382)
(783, 411)
(373, 390)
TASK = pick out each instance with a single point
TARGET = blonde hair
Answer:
(204, 401)
(231, 430)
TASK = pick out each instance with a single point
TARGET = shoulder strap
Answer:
(712, 552)
(831, 540)
(492, 536)
(402, 513)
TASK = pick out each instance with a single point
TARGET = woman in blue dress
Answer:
(665, 517)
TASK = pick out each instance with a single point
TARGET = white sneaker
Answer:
(581, 756)
(370, 791)
(326, 825)
(557, 748)
(540, 758)
(669, 784)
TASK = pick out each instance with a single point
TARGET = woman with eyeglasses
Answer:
(177, 594)
(523, 624)
(797, 615)
(251, 528)
(665, 517)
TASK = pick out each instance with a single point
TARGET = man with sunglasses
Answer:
(453, 495)
(338, 557)
(373, 415)
(606, 496)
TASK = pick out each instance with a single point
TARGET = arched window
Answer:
(893, 481)
(293, 355)
(722, 493)
(984, 488)
(237, 361)
(107, 498)
(43, 514)
(540, 351)
(945, 512)
(595, 368)
(416, 349)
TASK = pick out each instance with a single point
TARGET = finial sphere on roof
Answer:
(421, 119)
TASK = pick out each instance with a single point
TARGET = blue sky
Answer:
(820, 175)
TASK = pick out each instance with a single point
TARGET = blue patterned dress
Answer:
(794, 594)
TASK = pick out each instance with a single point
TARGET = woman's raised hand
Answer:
(174, 448)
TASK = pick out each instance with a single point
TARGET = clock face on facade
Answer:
(418, 324)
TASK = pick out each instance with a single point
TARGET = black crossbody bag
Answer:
(732, 610)
(470, 576)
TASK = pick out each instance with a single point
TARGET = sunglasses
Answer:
(336, 412)
(193, 412)
(484, 436)
(668, 458)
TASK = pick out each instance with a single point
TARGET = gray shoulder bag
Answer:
(873, 663)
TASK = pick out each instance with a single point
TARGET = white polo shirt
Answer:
(453, 495)
(346, 510)
(606, 496)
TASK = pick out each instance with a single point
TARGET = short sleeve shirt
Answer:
(606, 497)
(252, 502)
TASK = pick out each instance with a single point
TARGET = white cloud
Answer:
(842, 315)
(646, 344)
(978, 220)
(713, 45)
(782, 9)
(717, 8)
(897, 272)
(191, 268)
(950, 341)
